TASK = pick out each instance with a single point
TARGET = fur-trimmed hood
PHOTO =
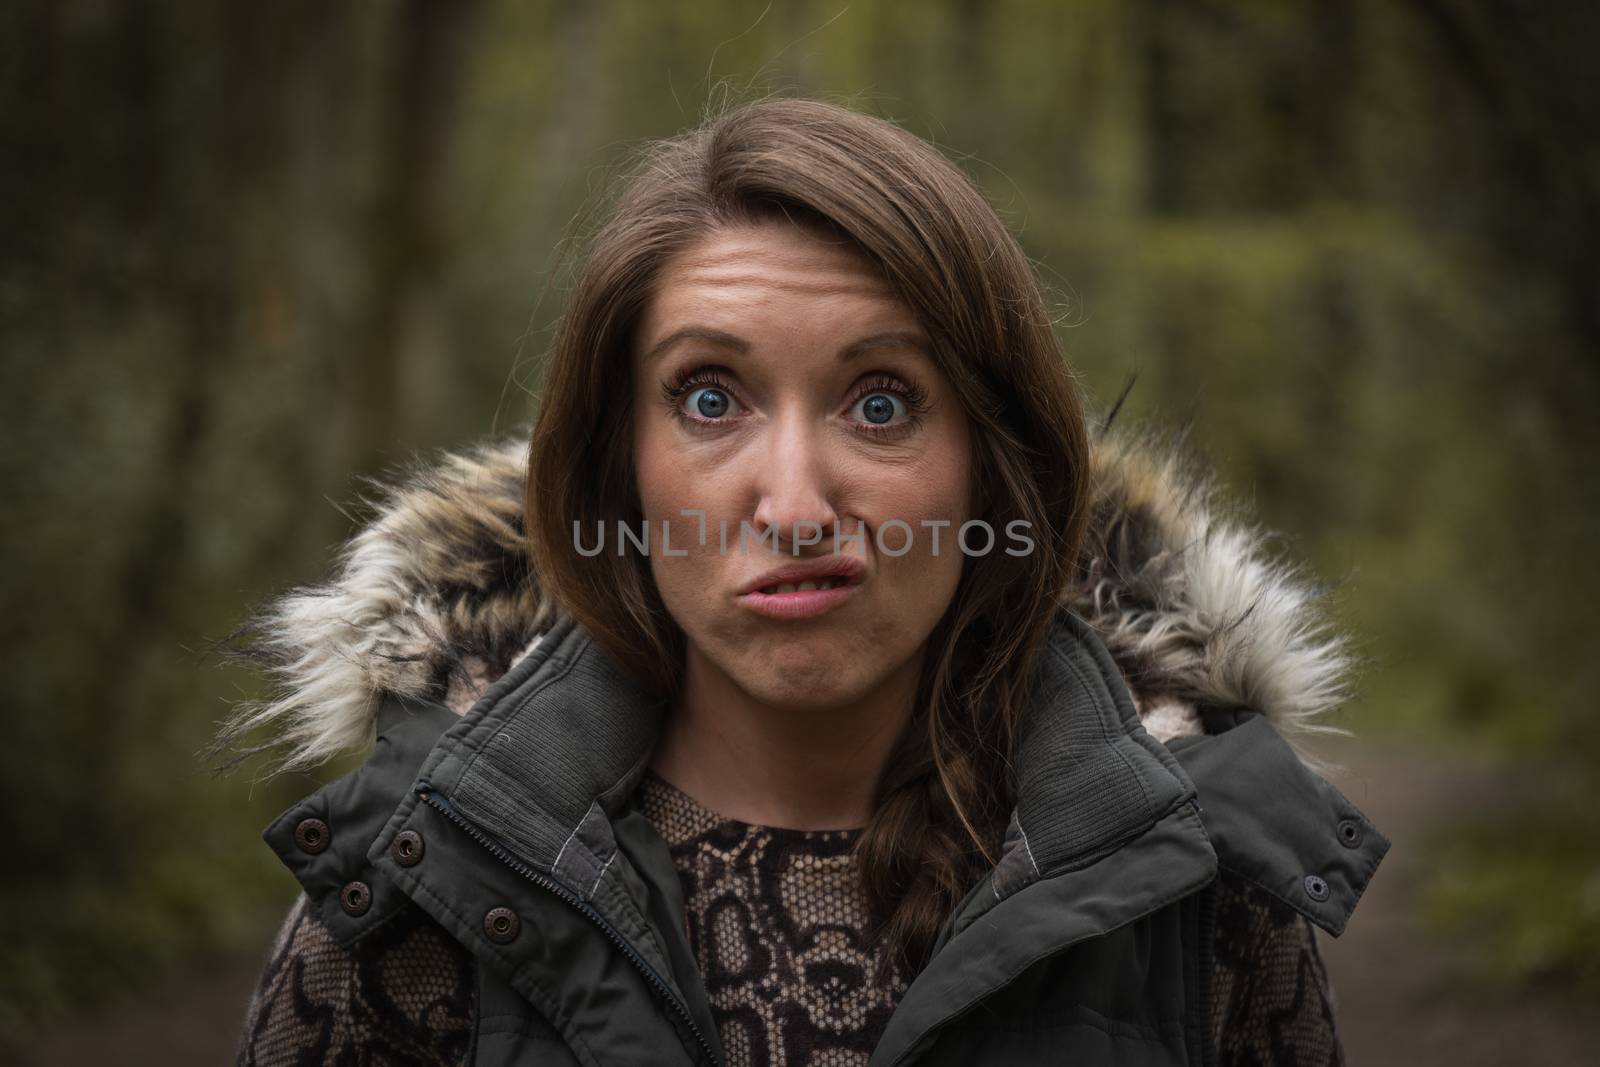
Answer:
(434, 598)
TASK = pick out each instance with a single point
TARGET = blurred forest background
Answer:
(251, 252)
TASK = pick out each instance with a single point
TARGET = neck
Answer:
(802, 768)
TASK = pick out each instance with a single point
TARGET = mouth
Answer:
(802, 597)
(800, 600)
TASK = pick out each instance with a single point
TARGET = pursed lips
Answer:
(801, 599)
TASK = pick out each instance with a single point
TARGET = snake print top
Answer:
(778, 922)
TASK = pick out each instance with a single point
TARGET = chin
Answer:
(801, 675)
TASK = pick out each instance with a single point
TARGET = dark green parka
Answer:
(481, 890)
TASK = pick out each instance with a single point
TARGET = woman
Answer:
(697, 743)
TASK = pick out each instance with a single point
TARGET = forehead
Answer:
(751, 272)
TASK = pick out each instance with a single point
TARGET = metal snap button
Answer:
(1350, 833)
(406, 848)
(1316, 888)
(355, 898)
(312, 835)
(502, 925)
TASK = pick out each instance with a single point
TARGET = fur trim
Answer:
(1190, 602)
(435, 597)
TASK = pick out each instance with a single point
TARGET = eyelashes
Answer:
(687, 380)
(684, 379)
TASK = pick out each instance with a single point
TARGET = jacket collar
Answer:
(550, 755)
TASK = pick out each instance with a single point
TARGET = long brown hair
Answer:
(944, 797)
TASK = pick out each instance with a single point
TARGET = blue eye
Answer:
(710, 402)
(879, 408)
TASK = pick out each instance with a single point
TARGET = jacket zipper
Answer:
(426, 794)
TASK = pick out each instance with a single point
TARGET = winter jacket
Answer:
(480, 890)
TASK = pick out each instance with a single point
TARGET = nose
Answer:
(794, 487)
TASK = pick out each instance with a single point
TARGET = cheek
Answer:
(934, 485)
(653, 474)
(667, 484)
(936, 490)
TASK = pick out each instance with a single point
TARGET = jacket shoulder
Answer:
(1279, 826)
(406, 993)
(324, 838)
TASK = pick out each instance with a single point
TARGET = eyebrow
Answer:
(886, 339)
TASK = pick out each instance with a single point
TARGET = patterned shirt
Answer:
(777, 919)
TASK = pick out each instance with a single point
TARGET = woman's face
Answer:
(783, 388)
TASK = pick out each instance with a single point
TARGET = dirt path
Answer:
(1400, 998)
